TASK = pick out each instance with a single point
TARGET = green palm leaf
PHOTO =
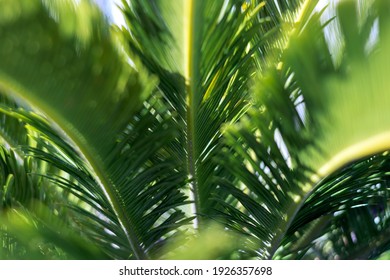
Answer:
(203, 53)
(312, 117)
(63, 42)
(361, 187)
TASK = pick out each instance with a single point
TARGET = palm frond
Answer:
(21, 188)
(304, 128)
(204, 55)
(361, 185)
(44, 237)
(358, 233)
(73, 41)
(149, 178)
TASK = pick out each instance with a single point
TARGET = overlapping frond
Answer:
(204, 55)
(63, 59)
(36, 233)
(312, 117)
(22, 188)
(361, 187)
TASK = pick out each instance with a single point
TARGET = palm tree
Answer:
(205, 129)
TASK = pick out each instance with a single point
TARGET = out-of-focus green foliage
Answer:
(129, 143)
(213, 243)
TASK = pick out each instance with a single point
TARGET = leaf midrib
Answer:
(190, 74)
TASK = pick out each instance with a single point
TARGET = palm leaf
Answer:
(362, 185)
(358, 233)
(312, 117)
(63, 42)
(21, 187)
(204, 55)
(44, 237)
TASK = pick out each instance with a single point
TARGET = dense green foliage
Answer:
(203, 129)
